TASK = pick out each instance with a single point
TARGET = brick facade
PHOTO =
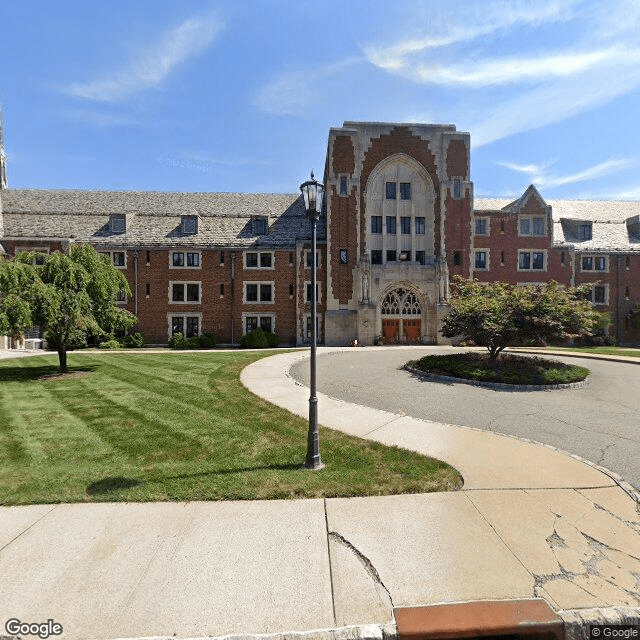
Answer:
(401, 221)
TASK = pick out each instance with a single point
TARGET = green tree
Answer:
(70, 295)
(496, 315)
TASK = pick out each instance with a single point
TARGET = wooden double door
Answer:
(405, 330)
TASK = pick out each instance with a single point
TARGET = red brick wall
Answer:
(457, 159)
(343, 156)
(457, 227)
(343, 236)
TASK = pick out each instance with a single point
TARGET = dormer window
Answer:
(585, 231)
(189, 225)
(118, 224)
(260, 226)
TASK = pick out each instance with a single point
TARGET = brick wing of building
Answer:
(400, 222)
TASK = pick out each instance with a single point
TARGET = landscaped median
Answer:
(176, 426)
(506, 369)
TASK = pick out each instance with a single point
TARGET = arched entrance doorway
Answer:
(401, 314)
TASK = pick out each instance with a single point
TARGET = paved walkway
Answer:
(529, 522)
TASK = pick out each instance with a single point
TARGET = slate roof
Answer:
(612, 221)
(153, 218)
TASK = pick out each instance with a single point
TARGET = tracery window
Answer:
(401, 302)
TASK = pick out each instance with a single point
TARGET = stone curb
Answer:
(575, 354)
(503, 386)
(577, 622)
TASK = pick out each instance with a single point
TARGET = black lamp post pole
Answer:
(313, 192)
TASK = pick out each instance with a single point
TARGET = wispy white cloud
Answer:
(539, 176)
(151, 68)
(492, 17)
(196, 161)
(292, 92)
(530, 69)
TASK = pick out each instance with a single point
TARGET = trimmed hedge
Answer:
(259, 339)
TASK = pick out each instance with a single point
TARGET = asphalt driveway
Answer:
(600, 422)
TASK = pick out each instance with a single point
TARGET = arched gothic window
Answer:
(401, 302)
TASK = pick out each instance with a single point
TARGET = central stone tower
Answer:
(395, 193)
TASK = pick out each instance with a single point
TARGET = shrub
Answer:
(112, 343)
(178, 341)
(133, 341)
(207, 341)
(259, 339)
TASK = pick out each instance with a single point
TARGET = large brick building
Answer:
(400, 222)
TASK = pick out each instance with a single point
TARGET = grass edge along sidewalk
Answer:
(173, 426)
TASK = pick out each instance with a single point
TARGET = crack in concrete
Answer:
(366, 563)
(603, 452)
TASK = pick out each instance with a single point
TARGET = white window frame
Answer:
(487, 264)
(531, 222)
(259, 317)
(606, 294)
(259, 300)
(184, 260)
(184, 317)
(259, 255)
(307, 259)
(545, 260)
(185, 283)
(124, 298)
(307, 284)
(307, 321)
(115, 220)
(111, 254)
(485, 220)
(594, 257)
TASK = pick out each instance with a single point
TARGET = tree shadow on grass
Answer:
(47, 372)
(117, 483)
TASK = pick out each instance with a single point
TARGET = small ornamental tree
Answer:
(495, 314)
(69, 295)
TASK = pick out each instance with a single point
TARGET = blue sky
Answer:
(239, 95)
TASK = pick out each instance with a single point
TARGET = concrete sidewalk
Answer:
(530, 522)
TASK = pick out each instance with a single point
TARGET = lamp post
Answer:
(312, 190)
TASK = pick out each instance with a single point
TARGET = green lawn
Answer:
(608, 351)
(176, 426)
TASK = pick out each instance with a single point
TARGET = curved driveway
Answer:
(600, 422)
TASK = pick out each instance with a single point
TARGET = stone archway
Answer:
(401, 316)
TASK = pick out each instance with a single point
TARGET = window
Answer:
(405, 191)
(188, 326)
(308, 326)
(457, 189)
(189, 225)
(180, 259)
(118, 224)
(148, 258)
(391, 256)
(308, 290)
(291, 291)
(259, 227)
(594, 263)
(405, 225)
(307, 259)
(252, 322)
(391, 224)
(480, 259)
(185, 291)
(148, 289)
(256, 260)
(390, 190)
(405, 256)
(457, 258)
(121, 296)
(222, 289)
(420, 226)
(343, 186)
(481, 227)
(531, 261)
(532, 226)
(376, 256)
(344, 256)
(585, 231)
(222, 257)
(376, 224)
(119, 258)
(420, 257)
(258, 291)
(600, 294)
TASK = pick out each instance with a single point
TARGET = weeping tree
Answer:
(496, 314)
(70, 295)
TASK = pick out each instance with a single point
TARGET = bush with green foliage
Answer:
(259, 339)
(133, 341)
(205, 341)
(496, 314)
(112, 343)
(178, 341)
